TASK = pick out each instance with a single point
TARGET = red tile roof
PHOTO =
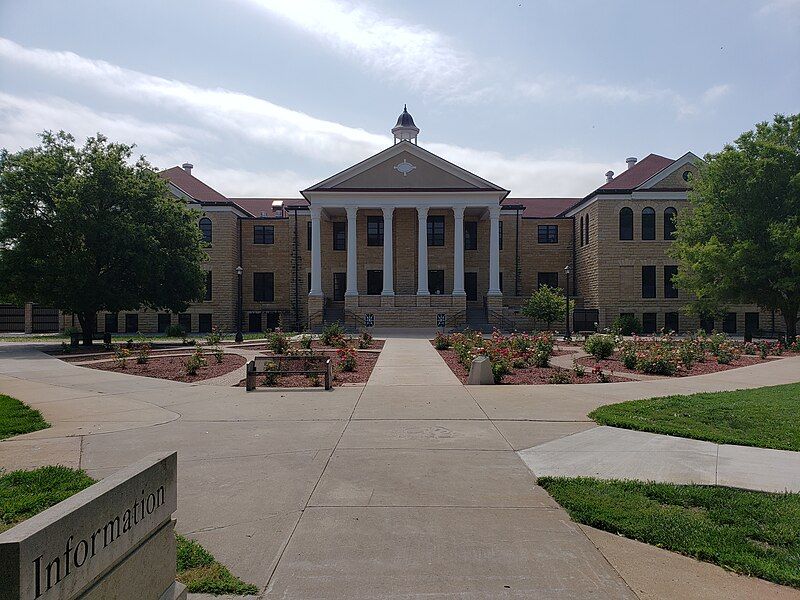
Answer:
(542, 208)
(192, 185)
(638, 173)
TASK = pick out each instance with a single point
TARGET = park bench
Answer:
(282, 364)
(75, 338)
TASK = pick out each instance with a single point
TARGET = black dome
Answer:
(405, 119)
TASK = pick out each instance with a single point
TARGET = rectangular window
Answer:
(549, 279)
(204, 323)
(707, 324)
(308, 235)
(112, 323)
(264, 234)
(208, 286)
(309, 281)
(375, 231)
(185, 321)
(648, 282)
(729, 322)
(501, 280)
(436, 230)
(131, 323)
(264, 287)
(500, 222)
(671, 322)
(374, 282)
(648, 322)
(670, 291)
(436, 281)
(548, 234)
(164, 322)
(339, 286)
(339, 235)
(470, 235)
(254, 321)
(273, 320)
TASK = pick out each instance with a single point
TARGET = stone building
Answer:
(407, 239)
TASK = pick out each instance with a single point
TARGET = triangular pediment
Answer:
(404, 167)
(673, 177)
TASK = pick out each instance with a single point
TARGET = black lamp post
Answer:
(567, 271)
(239, 337)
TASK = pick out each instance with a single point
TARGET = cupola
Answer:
(405, 128)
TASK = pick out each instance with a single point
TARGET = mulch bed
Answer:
(527, 376)
(365, 361)
(173, 367)
(315, 345)
(709, 366)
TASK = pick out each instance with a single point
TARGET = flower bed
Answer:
(364, 363)
(171, 367)
(615, 364)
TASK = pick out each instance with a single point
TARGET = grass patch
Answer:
(764, 417)
(17, 418)
(753, 533)
(26, 493)
(199, 571)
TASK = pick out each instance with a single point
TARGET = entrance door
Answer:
(751, 324)
(339, 286)
(471, 286)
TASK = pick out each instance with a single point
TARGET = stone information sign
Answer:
(83, 543)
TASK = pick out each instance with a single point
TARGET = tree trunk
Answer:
(790, 318)
(87, 321)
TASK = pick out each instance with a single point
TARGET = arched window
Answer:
(586, 236)
(626, 224)
(205, 228)
(581, 231)
(648, 224)
(670, 214)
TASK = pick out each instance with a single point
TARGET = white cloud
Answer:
(259, 124)
(788, 7)
(409, 54)
(715, 93)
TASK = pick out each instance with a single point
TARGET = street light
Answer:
(239, 337)
(567, 271)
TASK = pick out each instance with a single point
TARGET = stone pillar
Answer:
(316, 254)
(315, 306)
(458, 251)
(29, 317)
(388, 254)
(422, 252)
(494, 251)
(352, 252)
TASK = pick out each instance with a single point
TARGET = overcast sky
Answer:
(268, 97)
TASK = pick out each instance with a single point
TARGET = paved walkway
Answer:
(408, 487)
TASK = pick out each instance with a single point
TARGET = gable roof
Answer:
(643, 170)
(257, 206)
(471, 181)
(541, 208)
(191, 185)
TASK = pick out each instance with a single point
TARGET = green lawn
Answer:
(753, 533)
(765, 417)
(17, 418)
(25, 493)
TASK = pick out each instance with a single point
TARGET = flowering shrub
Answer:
(500, 369)
(518, 350)
(215, 337)
(600, 345)
(579, 369)
(441, 341)
(121, 356)
(347, 359)
(195, 361)
(305, 342)
(218, 353)
(143, 353)
(278, 342)
(365, 341)
(560, 376)
(333, 335)
(657, 359)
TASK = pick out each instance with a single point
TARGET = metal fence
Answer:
(45, 320)
(12, 318)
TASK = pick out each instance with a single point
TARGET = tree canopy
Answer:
(84, 230)
(546, 304)
(740, 242)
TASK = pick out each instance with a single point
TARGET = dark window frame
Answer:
(500, 231)
(308, 235)
(625, 223)
(670, 215)
(672, 316)
(649, 322)
(374, 230)
(185, 321)
(670, 291)
(648, 286)
(374, 282)
(587, 230)
(648, 223)
(161, 325)
(264, 287)
(582, 230)
(263, 234)
(339, 235)
(436, 282)
(729, 324)
(542, 278)
(435, 229)
(471, 237)
(207, 229)
(547, 234)
(131, 318)
(209, 287)
(205, 322)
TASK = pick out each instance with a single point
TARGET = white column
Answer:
(388, 255)
(494, 251)
(316, 252)
(352, 252)
(422, 252)
(458, 251)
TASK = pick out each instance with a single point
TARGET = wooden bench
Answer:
(76, 337)
(261, 365)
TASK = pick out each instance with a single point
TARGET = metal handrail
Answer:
(504, 322)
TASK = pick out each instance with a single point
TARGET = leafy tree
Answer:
(740, 243)
(85, 230)
(546, 304)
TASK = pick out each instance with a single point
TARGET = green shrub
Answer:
(724, 357)
(541, 358)
(628, 355)
(143, 353)
(500, 369)
(656, 361)
(305, 342)
(331, 333)
(278, 342)
(175, 331)
(441, 341)
(365, 341)
(347, 359)
(215, 337)
(626, 325)
(560, 376)
(218, 353)
(195, 361)
(599, 345)
(579, 369)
